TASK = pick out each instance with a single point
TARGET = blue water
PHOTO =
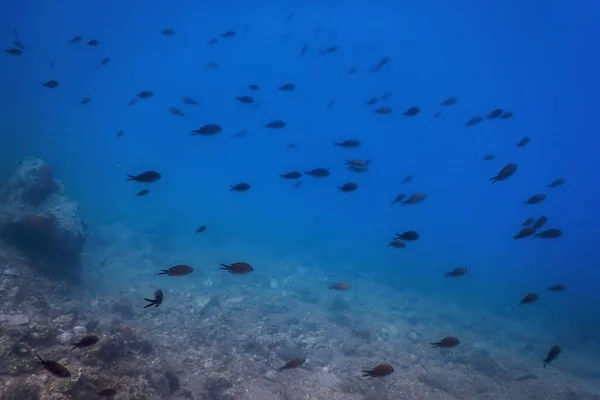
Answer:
(537, 60)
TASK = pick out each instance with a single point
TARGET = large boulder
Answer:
(39, 219)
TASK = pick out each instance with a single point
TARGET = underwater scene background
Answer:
(377, 200)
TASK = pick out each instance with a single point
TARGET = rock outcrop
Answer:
(39, 219)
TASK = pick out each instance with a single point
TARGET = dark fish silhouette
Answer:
(473, 121)
(523, 142)
(167, 32)
(555, 183)
(238, 268)
(450, 101)
(397, 243)
(107, 392)
(240, 187)
(145, 177)
(201, 229)
(530, 298)
(145, 94)
(75, 39)
(446, 343)
(85, 100)
(411, 112)
(349, 144)
(556, 288)
(456, 272)
(414, 199)
(528, 222)
(495, 113)
(342, 286)
(176, 112)
(86, 342)
(549, 234)
(142, 192)
(399, 198)
(52, 84)
(54, 368)
(14, 51)
(552, 354)
(292, 175)
(178, 270)
(254, 87)
(190, 101)
(505, 173)
(296, 362)
(408, 236)
(288, 87)
(348, 187)
(317, 172)
(207, 130)
(385, 110)
(379, 371)
(540, 222)
(488, 157)
(157, 301)
(277, 124)
(535, 199)
(525, 232)
(92, 43)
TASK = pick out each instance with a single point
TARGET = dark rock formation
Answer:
(41, 221)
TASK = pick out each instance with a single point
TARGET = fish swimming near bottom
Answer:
(54, 368)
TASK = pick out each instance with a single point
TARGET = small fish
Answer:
(207, 130)
(408, 236)
(348, 144)
(397, 243)
(245, 99)
(386, 96)
(506, 115)
(228, 34)
(107, 392)
(133, 101)
(104, 61)
(52, 84)
(238, 268)
(555, 183)
(385, 110)
(303, 50)
(213, 41)
(530, 298)
(157, 301)
(92, 43)
(407, 178)
(277, 124)
(145, 177)
(352, 71)
(382, 63)
(291, 146)
(145, 94)
(450, 101)
(412, 111)
(292, 175)
(120, 133)
(495, 113)
(549, 234)
(254, 87)
(557, 288)
(552, 354)
(296, 362)
(240, 187)
(505, 173)
(528, 222)
(288, 87)
(167, 32)
(523, 142)
(317, 172)
(525, 232)
(54, 368)
(379, 371)
(85, 100)
(414, 199)
(14, 51)
(474, 121)
(488, 157)
(86, 342)
(190, 101)
(399, 198)
(329, 50)
(201, 229)
(348, 187)
(540, 222)
(371, 101)
(176, 111)
(456, 272)
(75, 39)
(446, 343)
(178, 270)
(142, 192)
(342, 286)
(535, 199)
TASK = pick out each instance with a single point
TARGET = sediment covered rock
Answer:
(38, 218)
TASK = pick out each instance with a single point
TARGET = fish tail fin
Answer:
(131, 178)
(545, 363)
(41, 359)
(435, 344)
(152, 303)
(494, 180)
(225, 266)
(331, 287)
(163, 272)
(367, 373)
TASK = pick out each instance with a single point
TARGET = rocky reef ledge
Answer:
(38, 218)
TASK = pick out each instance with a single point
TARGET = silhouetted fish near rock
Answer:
(505, 173)
(342, 286)
(379, 371)
(525, 232)
(190, 101)
(177, 270)
(530, 298)
(450, 101)
(207, 130)
(349, 144)
(142, 192)
(75, 39)
(167, 32)
(524, 141)
(201, 229)
(414, 199)
(556, 288)
(456, 272)
(495, 113)
(240, 187)
(397, 243)
(555, 183)
(399, 198)
(176, 112)
(157, 301)
(288, 87)
(549, 234)
(385, 110)
(85, 100)
(296, 362)
(446, 343)
(14, 51)
(348, 187)
(535, 199)
(92, 43)
(488, 157)
(277, 124)
(86, 342)
(245, 99)
(145, 94)
(411, 112)
(552, 354)
(238, 268)
(292, 175)
(145, 177)
(528, 222)
(408, 236)
(541, 221)
(54, 368)
(52, 84)
(317, 172)
(228, 34)
(474, 121)
(107, 392)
